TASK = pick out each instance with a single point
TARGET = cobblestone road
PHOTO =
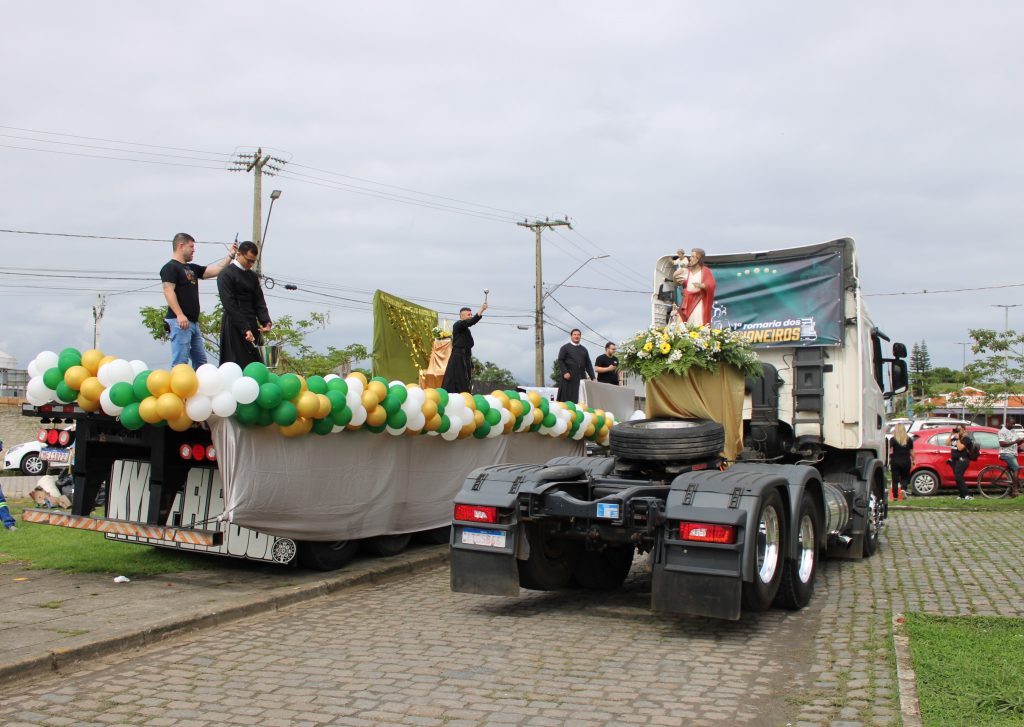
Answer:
(410, 652)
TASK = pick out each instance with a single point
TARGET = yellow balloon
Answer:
(292, 430)
(324, 406)
(184, 381)
(92, 388)
(104, 361)
(75, 375)
(590, 431)
(303, 386)
(370, 401)
(87, 404)
(429, 409)
(91, 360)
(466, 431)
(470, 401)
(501, 396)
(478, 419)
(434, 423)
(307, 424)
(534, 398)
(516, 408)
(432, 395)
(170, 406)
(148, 411)
(378, 389)
(180, 424)
(306, 404)
(158, 382)
(359, 375)
(376, 417)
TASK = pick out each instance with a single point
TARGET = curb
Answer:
(906, 680)
(419, 560)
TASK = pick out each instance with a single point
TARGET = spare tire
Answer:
(667, 440)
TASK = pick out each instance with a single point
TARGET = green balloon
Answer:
(290, 386)
(518, 423)
(492, 417)
(377, 429)
(316, 384)
(482, 431)
(122, 393)
(481, 404)
(273, 378)
(549, 420)
(337, 399)
(397, 420)
(391, 404)
(341, 417)
(130, 418)
(269, 396)
(323, 426)
(399, 392)
(69, 357)
(446, 424)
(599, 423)
(139, 388)
(53, 377)
(339, 384)
(264, 417)
(65, 393)
(247, 414)
(535, 427)
(443, 395)
(257, 371)
(511, 394)
(285, 413)
(382, 380)
(545, 405)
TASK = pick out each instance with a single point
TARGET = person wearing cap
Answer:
(180, 277)
(246, 317)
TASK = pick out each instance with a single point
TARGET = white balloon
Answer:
(353, 400)
(355, 384)
(358, 415)
(496, 431)
(230, 372)
(452, 433)
(123, 371)
(416, 422)
(335, 429)
(138, 366)
(38, 393)
(245, 390)
(638, 414)
(108, 406)
(198, 407)
(396, 382)
(224, 404)
(456, 405)
(330, 377)
(394, 432)
(211, 382)
(33, 370)
(418, 396)
(106, 375)
(494, 401)
(45, 360)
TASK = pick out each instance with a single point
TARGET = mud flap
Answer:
(488, 574)
(695, 594)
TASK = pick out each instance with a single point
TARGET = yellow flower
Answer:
(648, 346)
(694, 334)
(665, 347)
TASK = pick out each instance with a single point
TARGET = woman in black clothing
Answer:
(901, 459)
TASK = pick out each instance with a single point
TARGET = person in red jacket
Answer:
(696, 293)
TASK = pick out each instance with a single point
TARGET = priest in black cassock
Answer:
(573, 364)
(458, 375)
(246, 317)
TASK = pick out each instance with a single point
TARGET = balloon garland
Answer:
(294, 404)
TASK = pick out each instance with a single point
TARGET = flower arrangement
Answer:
(677, 347)
(442, 331)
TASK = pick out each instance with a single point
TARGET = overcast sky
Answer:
(653, 126)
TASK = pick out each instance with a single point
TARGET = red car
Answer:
(932, 470)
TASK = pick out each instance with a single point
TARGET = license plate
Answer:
(608, 510)
(475, 536)
(55, 455)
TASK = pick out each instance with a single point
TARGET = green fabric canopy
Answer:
(402, 337)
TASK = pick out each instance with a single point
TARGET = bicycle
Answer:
(994, 481)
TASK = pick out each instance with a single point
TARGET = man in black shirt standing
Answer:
(607, 365)
(180, 277)
(458, 375)
(246, 317)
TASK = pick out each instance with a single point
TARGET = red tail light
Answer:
(185, 451)
(41, 437)
(707, 533)
(198, 452)
(211, 453)
(52, 436)
(476, 513)
(65, 437)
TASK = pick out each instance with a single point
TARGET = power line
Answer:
(113, 141)
(107, 237)
(101, 156)
(104, 148)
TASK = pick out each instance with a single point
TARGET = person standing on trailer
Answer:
(246, 317)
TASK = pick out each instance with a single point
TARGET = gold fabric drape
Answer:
(433, 375)
(704, 395)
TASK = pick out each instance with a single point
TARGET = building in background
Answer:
(12, 379)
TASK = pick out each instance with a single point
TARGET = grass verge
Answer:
(80, 551)
(969, 669)
(943, 502)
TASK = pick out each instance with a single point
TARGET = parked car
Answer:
(51, 448)
(932, 469)
(918, 425)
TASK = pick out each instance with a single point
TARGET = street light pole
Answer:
(1006, 328)
(538, 322)
(588, 260)
(273, 196)
(963, 371)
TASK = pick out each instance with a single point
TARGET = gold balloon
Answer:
(376, 417)
(534, 398)
(379, 390)
(148, 411)
(590, 431)
(429, 409)
(158, 382)
(370, 401)
(324, 406)
(470, 401)
(303, 386)
(307, 424)
(92, 388)
(501, 396)
(306, 404)
(359, 375)
(434, 423)
(184, 381)
(170, 406)
(432, 395)
(87, 404)
(180, 424)
(292, 430)
(104, 361)
(478, 419)
(75, 375)
(91, 360)
(516, 408)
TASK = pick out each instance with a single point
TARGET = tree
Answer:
(920, 365)
(999, 364)
(296, 355)
(489, 376)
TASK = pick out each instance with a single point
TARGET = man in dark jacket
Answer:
(246, 317)
(458, 375)
(573, 364)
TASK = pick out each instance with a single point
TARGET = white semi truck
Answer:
(722, 536)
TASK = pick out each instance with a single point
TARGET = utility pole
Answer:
(260, 164)
(963, 371)
(97, 316)
(1006, 328)
(538, 333)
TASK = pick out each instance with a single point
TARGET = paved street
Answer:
(410, 652)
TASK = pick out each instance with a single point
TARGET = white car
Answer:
(36, 457)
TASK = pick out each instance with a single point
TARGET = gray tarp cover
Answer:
(356, 484)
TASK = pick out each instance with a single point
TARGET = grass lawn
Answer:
(82, 551)
(970, 670)
(950, 502)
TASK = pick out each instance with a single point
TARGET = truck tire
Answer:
(437, 536)
(317, 555)
(798, 575)
(759, 593)
(878, 506)
(386, 546)
(667, 440)
(604, 570)
(551, 562)
(925, 482)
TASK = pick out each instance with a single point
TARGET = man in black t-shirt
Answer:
(180, 278)
(607, 365)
